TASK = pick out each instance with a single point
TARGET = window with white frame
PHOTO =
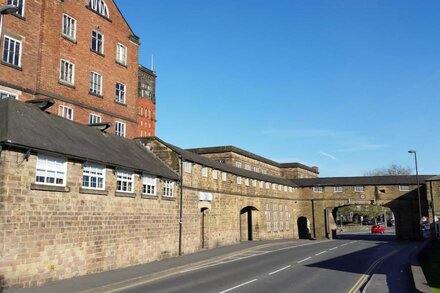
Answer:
(261, 184)
(238, 164)
(318, 189)
(285, 188)
(67, 72)
(95, 83)
(19, 4)
(256, 170)
(94, 119)
(121, 54)
(254, 183)
(100, 7)
(120, 128)
(97, 42)
(204, 171)
(51, 171)
(6, 95)
(238, 180)
(124, 181)
(274, 186)
(339, 189)
(247, 167)
(267, 185)
(246, 181)
(12, 51)
(120, 93)
(263, 171)
(93, 177)
(359, 188)
(403, 187)
(290, 189)
(168, 187)
(149, 185)
(69, 26)
(214, 174)
(280, 187)
(224, 176)
(65, 112)
(187, 167)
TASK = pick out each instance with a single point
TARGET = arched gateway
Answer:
(248, 223)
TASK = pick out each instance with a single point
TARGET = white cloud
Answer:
(357, 147)
(328, 155)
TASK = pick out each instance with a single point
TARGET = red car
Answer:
(377, 229)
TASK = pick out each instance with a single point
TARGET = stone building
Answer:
(81, 54)
(76, 199)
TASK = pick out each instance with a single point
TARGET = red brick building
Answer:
(83, 55)
(146, 104)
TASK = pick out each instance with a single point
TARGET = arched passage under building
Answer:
(248, 223)
(303, 228)
(203, 228)
(358, 219)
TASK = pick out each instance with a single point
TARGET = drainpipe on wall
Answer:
(180, 205)
(433, 209)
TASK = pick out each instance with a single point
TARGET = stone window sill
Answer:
(122, 104)
(168, 198)
(125, 194)
(93, 191)
(12, 66)
(121, 64)
(96, 95)
(146, 196)
(66, 84)
(97, 52)
(43, 187)
(69, 39)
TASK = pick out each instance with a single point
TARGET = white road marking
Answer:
(352, 242)
(344, 244)
(277, 271)
(322, 252)
(238, 286)
(333, 248)
(304, 260)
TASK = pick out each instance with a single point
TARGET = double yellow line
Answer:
(370, 269)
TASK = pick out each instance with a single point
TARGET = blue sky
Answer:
(345, 85)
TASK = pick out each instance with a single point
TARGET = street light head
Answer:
(8, 9)
(412, 151)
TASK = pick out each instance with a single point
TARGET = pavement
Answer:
(158, 269)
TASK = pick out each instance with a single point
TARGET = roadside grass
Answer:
(431, 266)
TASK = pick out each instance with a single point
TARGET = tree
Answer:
(393, 169)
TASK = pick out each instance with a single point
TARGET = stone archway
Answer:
(303, 228)
(248, 224)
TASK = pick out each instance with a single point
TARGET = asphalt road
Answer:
(374, 263)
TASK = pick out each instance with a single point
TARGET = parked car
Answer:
(377, 229)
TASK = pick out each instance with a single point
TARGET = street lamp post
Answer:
(6, 9)
(418, 192)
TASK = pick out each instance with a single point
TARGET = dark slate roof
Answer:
(193, 157)
(233, 149)
(364, 180)
(26, 126)
(435, 178)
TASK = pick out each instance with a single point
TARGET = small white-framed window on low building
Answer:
(120, 93)
(51, 170)
(238, 180)
(246, 181)
(65, 112)
(67, 72)
(95, 83)
(97, 42)
(339, 189)
(20, 5)
(254, 183)
(261, 184)
(11, 51)
(224, 176)
(187, 167)
(6, 95)
(124, 181)
(285, 188)
(204, 171)
(120, 128)
(93, 176)
(69, 27)
(168, 188)
(121, 54)
(238, 164)
(94, 119)
(403, 187)
(149, 185)
(214, 174)
(359, 188)
(318, 189)
(267, 185)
